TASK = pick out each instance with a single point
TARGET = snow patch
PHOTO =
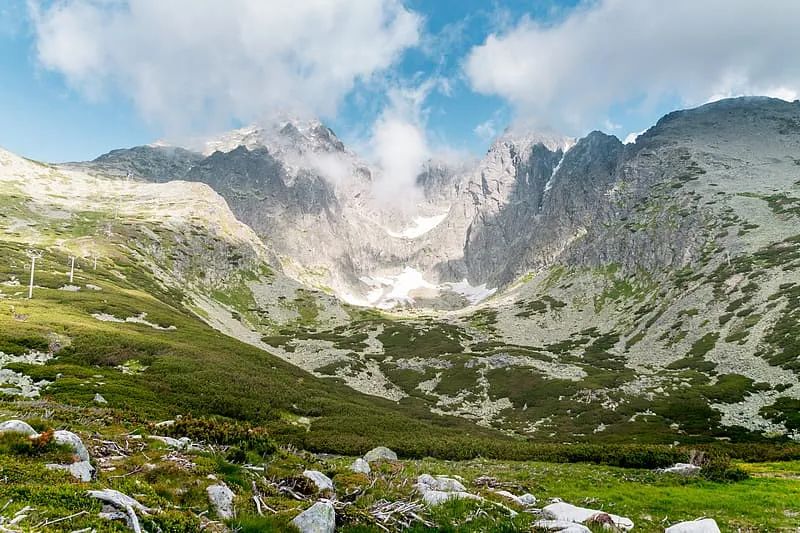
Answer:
(389, 291)
(473, 294)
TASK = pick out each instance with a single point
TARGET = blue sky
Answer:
(70, 90)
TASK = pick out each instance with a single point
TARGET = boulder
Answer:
(526, 500)
(571, 513)
(322, 482)
(319, 518)
(701, 525)
(81, 470)
(561, 526)
(68, 438)
(98, 398)
(17, 426)
(683, 469)
(381, 453)
(221, 499)
(426, 482)
(360, 466)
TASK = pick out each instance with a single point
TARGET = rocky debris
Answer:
(360, 466)
(381, 453)
(437, 490)
(571, 513)
(701, 525)
(562, 526)
(221, 499)
(319, 518)
(17, 426)
(320, 480)
(526, 500)
(117, 502)
(683, 469)
(98, 398)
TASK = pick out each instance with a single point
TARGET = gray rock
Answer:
(68, 438)
(426, 482)
(322, 482)
(381, 453)
(701, 525)
(319, 518)
(360, 466)
(98, 398)
(221, 499)
(17, 426)
(80, 470)
(571, 513)
(527, 500)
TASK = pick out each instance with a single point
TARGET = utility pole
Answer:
(71, 268)
(34, 255)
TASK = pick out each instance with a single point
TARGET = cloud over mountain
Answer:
(571, 72)
(188, 64)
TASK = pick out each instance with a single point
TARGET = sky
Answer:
(400, 81)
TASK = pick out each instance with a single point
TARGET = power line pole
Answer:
(71, 268)
(34, 255)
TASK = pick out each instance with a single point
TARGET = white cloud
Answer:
(399, 144)
(190, 65)
(486, 130)
(611, 52)
(632, 136)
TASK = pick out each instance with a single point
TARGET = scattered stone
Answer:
(98, 398)
(183, 443)
(319, 518)
(570, 513)
(322, 482)
(221, 499)
(426, 482)
(562, 526)
(701, 525)
(360, 466)
(381, 453)
(17, 426)
(437, 490)
(683, 469)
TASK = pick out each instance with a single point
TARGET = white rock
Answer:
(561, 526)
(684, 469)
(319, 479)
(572, 513)
(527, 500)
(381, 453)
(360, 466)
(183, 443)
(68, 438)
(438, 497)
(427, 482)
(81, 470)
(98, 398)
(701, 525)
(17, 426)
(221, 499)
(319, 518)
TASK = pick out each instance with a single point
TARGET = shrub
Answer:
(223, 432)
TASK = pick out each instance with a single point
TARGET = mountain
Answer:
(556, 289)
